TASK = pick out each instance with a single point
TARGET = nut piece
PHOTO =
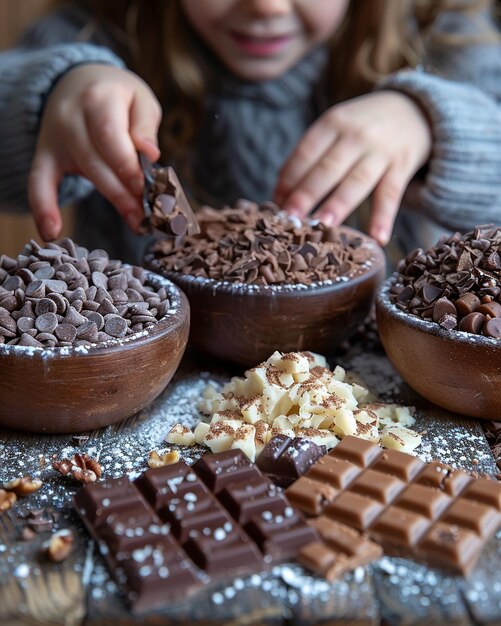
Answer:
(7, 499)
(23, 486)
(59, 546)
(155, 460)
(82, 467)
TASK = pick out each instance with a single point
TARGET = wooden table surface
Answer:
(80, 591)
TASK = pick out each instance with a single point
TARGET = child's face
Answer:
(261, 39)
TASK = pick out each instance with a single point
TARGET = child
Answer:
(312, 103)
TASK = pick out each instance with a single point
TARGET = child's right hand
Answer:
(95, 120)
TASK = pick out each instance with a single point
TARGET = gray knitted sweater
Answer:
(251, 128)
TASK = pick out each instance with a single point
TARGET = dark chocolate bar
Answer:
(426, 511)
(177, 528)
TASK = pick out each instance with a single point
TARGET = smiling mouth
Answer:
(261, 46)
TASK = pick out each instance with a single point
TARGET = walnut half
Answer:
(81, 466)
(23, 486)
(7, 499)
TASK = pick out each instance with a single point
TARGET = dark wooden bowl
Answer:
(458, 371)
(59, 390)
(245, 324)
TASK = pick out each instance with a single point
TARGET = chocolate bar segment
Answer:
(178, 527)
(430, 511)
(340, 549)
(285, 459)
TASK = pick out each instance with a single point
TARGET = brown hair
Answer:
(376, 38)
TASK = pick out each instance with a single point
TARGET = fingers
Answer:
(144, 121)
(89, 163)
(386, 202)
(43, 182)
(108, 129)
(310, 149)
(332, 167)
(353, 189)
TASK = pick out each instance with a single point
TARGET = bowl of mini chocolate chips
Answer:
(258, 281)
(439, 319)
(85, 341)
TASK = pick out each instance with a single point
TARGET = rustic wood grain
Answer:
(80, 591)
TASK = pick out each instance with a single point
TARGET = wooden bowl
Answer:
(60, 390)
(245, 324)
(458, 371)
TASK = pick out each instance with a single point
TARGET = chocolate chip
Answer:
(66, 332)
(492, 328)
(55, 286)
(467, 303)
(45, 305)
(443, 307)
(46, 323)
(116, 326)
(472, 323)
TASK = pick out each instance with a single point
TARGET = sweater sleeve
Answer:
(461, 186)
(27, 74)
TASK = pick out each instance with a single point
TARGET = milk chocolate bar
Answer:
(177, 528)
(426, 511)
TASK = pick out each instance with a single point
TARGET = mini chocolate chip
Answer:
(492, 328)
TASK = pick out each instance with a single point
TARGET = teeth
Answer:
(181, 435)
(295, 394)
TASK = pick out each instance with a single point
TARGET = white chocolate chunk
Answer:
(400, 438)
(200, 431)
(180, 435)
(219, 437)
(245, 440)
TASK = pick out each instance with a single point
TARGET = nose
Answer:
(268, 8)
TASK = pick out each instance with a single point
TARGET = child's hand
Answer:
(95, 120)
(375, 143)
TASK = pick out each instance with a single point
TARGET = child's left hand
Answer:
(371, 144)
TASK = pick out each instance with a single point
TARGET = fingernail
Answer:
(291, 210)
(151, 142)
(132, 221)
(328, 219)
(136, 186)
(382, 236)
(49, 229)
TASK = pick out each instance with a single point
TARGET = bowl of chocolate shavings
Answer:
(439, 320)
(258, 281)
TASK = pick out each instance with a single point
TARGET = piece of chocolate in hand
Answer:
(171, 213)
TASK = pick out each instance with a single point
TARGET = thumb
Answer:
(145, 116)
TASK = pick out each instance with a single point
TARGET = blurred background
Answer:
(15, 15)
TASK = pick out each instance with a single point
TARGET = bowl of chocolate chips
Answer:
(85, 341)
(259, 281)
(439, 319)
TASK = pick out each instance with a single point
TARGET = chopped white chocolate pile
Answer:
(297, 395)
